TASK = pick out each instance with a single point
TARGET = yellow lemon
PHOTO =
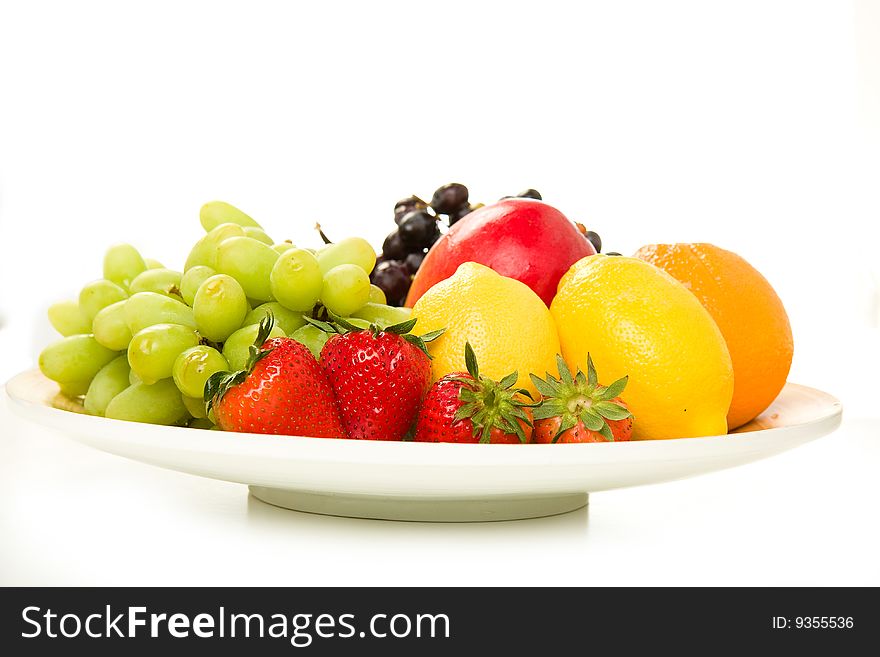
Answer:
(635, 319)
(507, 324)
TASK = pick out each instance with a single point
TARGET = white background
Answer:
(753, 125)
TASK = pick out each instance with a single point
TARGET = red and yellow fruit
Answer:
(523, 239)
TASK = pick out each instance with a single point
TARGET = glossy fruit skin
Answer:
(545, 430)
(379, 382)
(680, 373)
(418, 230)
(437, 423)
(449, 197)
(406, 205)
(287, 393)
(530, 193)
(521, 238)
(391, 276)
(505, 322)
(393, 247)
(413, 262)
(457, 215)
(749, 313)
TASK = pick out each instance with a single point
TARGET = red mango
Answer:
(520, 238)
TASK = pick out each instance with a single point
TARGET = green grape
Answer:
(196, 407)
(153, 350)
(346, 289)
(249, 262)
(110, 328)
(74, 388)
(160, 403)
(236, 349)
(287, 320)
(108, 382)
(215, 213)
(75, 359)
(281, 247)
(122, 264)
(199, 422)
(312, 337)
(204, 252)
(161, 281)
(152, 263)
(66, 318)
(377, 295)
(148, 308)
(191, 280)
(350, 251)
(194, 366)
(358, 322)
(99, 294)
(219, 307)
(132, 377)
(382, 315)
(297, 280)
(258, 234)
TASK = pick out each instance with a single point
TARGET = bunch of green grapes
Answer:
(140, 343)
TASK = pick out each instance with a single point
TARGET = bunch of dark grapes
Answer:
(418, 227)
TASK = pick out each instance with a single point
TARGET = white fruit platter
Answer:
(428, 481)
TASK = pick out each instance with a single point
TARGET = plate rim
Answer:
(362, 451)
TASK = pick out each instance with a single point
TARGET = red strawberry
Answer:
(283, 390)
(379, 377)
(465, 407)
(576, 409)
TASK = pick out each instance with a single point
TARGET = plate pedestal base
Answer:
(486, 509)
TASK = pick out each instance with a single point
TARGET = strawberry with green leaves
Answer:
(466, 407)
(576, 409)
(378, 376)
(282, 390)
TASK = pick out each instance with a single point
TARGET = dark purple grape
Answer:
(418, 230)
(413, 262)
(392, 277)
(393, 247)
(406, 205)
(595, 240)
(461, 212)
(530, 193)
(449, 198)
(613, 253)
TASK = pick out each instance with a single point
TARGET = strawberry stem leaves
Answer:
(402, 328)
(327, 327)
(470, 361)
(580, 398)
(492, 404)
(430, 336)
(219, 383)
(340, 326)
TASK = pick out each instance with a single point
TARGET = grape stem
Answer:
(326, 239)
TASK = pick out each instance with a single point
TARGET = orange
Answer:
(749, 313)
